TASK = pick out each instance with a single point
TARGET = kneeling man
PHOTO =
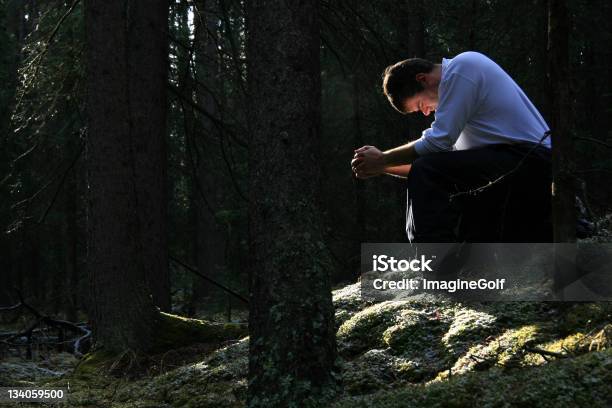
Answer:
(486, 131)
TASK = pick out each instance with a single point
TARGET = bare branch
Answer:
(592, 140)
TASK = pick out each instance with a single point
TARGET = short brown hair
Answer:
(399, 82)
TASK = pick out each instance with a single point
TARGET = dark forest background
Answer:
(43, 182)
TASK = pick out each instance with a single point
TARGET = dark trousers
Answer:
(516, 209)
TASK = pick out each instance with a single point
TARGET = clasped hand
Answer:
(367, 162)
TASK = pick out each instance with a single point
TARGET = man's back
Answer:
(480, 104)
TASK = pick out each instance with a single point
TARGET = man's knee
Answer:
(431, 162)
(425, 167)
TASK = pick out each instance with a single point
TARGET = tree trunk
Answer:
(70, 283)
(411, 38)
(126, 113)
(564, 218)
(211, 238)
(563, 194)
(607, 97)
(147, 71)
(291, 323)
(360, 232)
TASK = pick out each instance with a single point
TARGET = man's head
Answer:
(412, 85)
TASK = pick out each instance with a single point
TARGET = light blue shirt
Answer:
(479, 104)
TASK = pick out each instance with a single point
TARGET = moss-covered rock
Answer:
(364, 330)
(468, 326)
(510, 349)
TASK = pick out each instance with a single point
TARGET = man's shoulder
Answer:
(471, 65)
(469, 59)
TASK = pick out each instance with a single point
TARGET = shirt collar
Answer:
(445, 62)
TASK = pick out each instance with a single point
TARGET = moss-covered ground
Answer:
(425, 352)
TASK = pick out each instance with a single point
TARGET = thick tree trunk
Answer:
(291, 323)
(147, 70)
(126, 232)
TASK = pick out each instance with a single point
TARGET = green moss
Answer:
(468, 327)
(349, 299)
(414, 330)
(94, 364)
(176, 331)
(580, 343)
(583, 381)
(505, 350)
(585, 316)
(364, 330)
(417, 337)
(392, 354)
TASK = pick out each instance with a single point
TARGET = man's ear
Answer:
(421, 78)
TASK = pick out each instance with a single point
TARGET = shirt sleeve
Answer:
(458, 101)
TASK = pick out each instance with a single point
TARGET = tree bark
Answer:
(70, 282)
(147, 70)
(564, 218)
(126, 126)
(211, 238)
(291, 323)
(563, 194)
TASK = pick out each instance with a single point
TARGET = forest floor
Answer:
(424, 352)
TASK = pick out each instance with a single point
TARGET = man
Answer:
(485, 131)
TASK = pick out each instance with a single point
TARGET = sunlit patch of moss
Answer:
(468, 327)
(417, 336)
(364, 330)
(569, 345)
(511, 346)
(414, 330)
(575, 344)
(505, 350)
(341, 316)
(349, 298)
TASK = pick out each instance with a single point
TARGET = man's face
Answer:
(425, 101)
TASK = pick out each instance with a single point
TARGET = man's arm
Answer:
(401, 155)
(370, 161)
(398, 171)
